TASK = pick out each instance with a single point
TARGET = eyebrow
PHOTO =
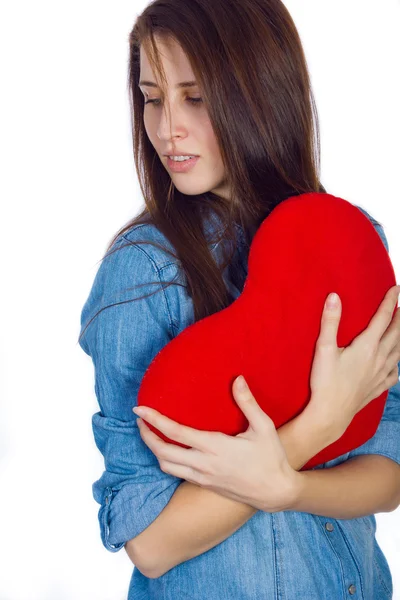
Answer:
(183, 84)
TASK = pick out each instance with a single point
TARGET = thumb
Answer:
(330, 320)
(256, 417)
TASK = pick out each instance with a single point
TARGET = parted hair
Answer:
(248, 60)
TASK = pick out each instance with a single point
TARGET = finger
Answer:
(164, 451)
(385, 384)
(183, 472)
(393, 377)
(393, 359)
(382, 318)
(390, 380)
(196, 438)
(257, 418)
(330, 323)
(390, 341)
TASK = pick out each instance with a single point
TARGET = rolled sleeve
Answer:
(133, 490)
(122, 340)
(386, 440)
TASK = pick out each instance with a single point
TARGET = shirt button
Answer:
(329, 526)
(352, 589)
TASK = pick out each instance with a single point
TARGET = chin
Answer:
(192, 190)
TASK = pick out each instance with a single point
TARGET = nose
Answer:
(171, 126)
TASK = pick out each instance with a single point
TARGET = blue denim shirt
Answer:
(278, 556)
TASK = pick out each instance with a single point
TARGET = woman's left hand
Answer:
(251, 467)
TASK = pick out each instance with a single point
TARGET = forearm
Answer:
(361, 486)
(197, 519)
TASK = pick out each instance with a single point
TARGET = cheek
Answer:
(212, 137)
(151, 120)
(209, 141)
(149, 125)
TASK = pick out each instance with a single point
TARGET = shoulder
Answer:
(152, 243)
(132, 258)
(139, 254)
(378, 226)
(133, 275)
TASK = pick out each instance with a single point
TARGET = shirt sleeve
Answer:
(386, 440)
(122, 340)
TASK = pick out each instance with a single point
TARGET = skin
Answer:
(190, 132)
(216, 467)
(253, 467)
(190, 125)
(228, 478)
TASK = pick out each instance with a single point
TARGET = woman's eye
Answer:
(157, 101)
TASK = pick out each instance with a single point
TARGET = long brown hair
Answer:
(250, 66)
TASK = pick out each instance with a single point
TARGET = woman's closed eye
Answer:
(156, 101)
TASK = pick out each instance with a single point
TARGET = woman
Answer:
(227, 82)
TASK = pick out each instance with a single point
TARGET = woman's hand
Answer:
(344, 380)
(251, 467)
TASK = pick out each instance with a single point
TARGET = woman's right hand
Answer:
(345, 380)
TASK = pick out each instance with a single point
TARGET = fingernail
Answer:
(332, 300)
(139, 411)
(241, 383)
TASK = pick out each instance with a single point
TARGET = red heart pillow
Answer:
(309, 245)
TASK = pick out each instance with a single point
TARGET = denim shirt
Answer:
(273, 556)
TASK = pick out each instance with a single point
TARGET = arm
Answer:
(210, 518)
(132, 490)
(197, 519)
(360, 486)
(368, 481)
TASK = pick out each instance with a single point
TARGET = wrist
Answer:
(297, 490)
(304, 436)
(328, 428)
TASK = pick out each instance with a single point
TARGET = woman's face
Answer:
(190, 126)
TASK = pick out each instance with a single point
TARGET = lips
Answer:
(181, 154)
(183, 165)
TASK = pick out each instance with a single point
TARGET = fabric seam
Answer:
(158, 273)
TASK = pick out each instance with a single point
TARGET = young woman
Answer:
(227, 82)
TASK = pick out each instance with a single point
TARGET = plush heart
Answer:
(308, 246)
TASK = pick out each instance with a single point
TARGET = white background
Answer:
(67, 185)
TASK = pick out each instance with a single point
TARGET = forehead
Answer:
(176, 65)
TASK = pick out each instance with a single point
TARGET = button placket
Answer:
(350, 569)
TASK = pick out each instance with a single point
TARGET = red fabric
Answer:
(310, 245)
